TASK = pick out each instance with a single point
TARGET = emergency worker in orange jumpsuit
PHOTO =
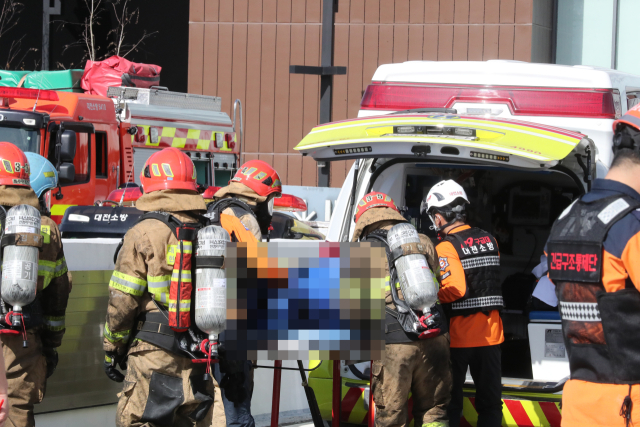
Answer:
(250, 196)
(594, 261)
(471, 291)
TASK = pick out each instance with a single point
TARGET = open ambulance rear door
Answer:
(444, 139)
(391, 148)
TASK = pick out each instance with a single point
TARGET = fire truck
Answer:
(98, 143)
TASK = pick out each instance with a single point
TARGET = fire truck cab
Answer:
(78, 133)
(98, 143)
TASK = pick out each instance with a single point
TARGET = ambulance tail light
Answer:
(16, 92)
(522, 101)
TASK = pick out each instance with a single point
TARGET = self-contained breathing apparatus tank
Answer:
(20, 246)
(416, 280)
(211, 286)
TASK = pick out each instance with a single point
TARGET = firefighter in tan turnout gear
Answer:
(250, 198)
(150, 296)
(43, 319)
(416, 357)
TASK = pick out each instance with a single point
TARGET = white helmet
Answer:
(443, 194)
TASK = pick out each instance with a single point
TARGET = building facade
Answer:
(242, 49)
(598, 33)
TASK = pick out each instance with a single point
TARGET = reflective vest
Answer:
(600, 328)
(480, 258)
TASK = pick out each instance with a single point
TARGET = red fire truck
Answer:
(97, 143)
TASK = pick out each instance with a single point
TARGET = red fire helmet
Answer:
(374, 200)
(14, 166)
(631, 118)
(169, 169)
(260, 177)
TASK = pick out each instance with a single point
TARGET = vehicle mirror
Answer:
(67, 146)
(66, 172)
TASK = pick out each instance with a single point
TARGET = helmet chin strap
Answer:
(440, 230)
(457, 217)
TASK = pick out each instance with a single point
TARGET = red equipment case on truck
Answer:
(116, 71)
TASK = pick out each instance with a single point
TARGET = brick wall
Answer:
(243, 48)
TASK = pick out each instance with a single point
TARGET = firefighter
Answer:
(148, 313)
(43, 176)
(4, 404)
(469, 277)
(594, 265)
(28, 368)
(411, 364)
(249, 197)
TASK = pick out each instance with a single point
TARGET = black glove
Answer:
(233, 386)
(435, 320)
(51, 356)
(111, 359)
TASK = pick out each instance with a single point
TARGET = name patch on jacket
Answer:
(172, 250)
(575, 262)
(45, 231)
(477, 245)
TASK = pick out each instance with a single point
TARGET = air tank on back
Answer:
(416, 279)
(20, 263)
(211, 282)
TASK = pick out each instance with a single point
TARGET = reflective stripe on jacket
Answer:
(143, 272)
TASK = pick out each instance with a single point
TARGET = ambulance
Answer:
(524, 140)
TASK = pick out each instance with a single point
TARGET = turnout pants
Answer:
(420, 368)
(485, 366)
(26, 377)
(162, 389)
(236, 416)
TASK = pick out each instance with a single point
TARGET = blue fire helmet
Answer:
(42, 173)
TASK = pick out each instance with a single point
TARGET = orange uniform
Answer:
(594, 404)
(475, 330)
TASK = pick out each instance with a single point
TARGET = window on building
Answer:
(101, 155)
(627, 59)
(585, 32)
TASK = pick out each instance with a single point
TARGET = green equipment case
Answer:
(63, 80)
